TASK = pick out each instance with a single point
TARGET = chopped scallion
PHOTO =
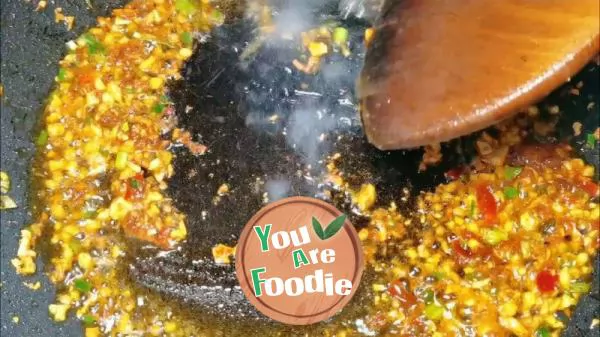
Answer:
(472, 208)
(542, 332)
(580, 287)
(511, 172)
(94, 46)
(82, 285)
(88, 319)
(428, 297)
(90, 214)
(439, 275)
(187, 38)
(134, 183)
(511, 192)
(217, 17)
(591, 140)
(434, 312)
(158, 108)
(62, 74)
(42, 138)
(186, 7)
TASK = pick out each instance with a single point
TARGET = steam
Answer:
(294, 17)
(363, 9)
(307, 130)
(309, 111)
(278, 189)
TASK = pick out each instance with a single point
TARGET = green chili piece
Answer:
(511, 172)
(542, 332)
(88, 319)
(511, 192)
(134, 183)
(62, 74)
(434, 312)
(186, 7)
(82, 285)
(158, 108)
(42, 138)
(187, 38)
(591, 140)
(94, 46)
(580, 287)
(428, 296)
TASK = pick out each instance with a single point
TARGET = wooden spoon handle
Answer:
(439, 69)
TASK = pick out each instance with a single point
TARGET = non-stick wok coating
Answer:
(31, 47)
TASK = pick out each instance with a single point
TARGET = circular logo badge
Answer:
(299, 260)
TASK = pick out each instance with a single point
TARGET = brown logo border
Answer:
(279, 315)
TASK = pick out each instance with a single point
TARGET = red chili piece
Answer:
(403, 294)
(546, 281)
(85, 78)
(486, 204)
(459, 250)
(590, 187)
(455, 173)
(131, 192)
(465, 255)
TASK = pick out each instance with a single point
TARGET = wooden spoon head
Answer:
(439, 69)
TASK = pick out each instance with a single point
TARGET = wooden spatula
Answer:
(439, 69)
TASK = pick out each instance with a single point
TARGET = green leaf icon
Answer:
(335, 226)
(318, 229)
(331, 229)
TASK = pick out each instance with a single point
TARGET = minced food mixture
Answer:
(504, 249)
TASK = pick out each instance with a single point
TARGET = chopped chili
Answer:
(85, 78)
(466, 254)
(399, 290)
(511, 172)
(82, 285)
(459, 250)
(62, 74)
(158, 108)
(434, 312)
(187, 7)
(94, 46)
(134, 187)
(542, 332)
(455, 173)
(590, 187)
(546, 281)
(511, 192)
(428, 296)
(187, 38)
(88, 319)
(591, 140)
(580, 287)
(486, 204)
(42, 138)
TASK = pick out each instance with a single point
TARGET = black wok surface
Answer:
(230, 105)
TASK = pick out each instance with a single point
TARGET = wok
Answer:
(231, 105)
